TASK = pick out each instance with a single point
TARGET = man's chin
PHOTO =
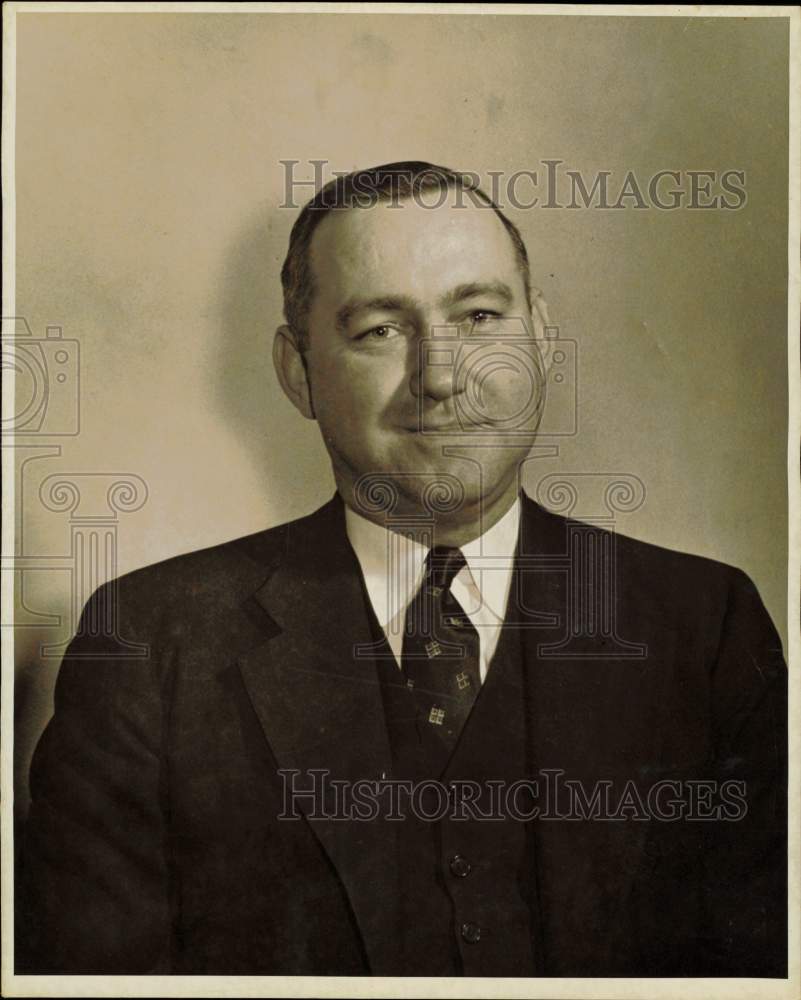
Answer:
(444, 487)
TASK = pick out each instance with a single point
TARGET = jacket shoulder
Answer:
(635, 552)
(668, 585)
(216, 576)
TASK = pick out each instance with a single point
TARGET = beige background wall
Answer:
(148, 228)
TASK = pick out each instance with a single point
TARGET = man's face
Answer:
(421, 360)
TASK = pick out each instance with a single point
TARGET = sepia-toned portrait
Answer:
(400, 567)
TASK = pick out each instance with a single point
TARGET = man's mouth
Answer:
(446, 426)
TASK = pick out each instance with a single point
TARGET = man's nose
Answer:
(434, 367)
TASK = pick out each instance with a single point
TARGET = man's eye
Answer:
(481, 316)
(379, 333)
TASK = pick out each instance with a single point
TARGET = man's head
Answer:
(410, 336)
(391, 183)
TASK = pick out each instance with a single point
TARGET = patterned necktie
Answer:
(440, 657)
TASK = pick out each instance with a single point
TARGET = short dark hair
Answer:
(364, 189)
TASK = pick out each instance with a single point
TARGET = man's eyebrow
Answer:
(473, 289)
(387, 303)
(404, 303)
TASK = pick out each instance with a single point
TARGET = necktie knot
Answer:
(442, 565)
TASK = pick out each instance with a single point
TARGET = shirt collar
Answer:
(392, 563)
(490, 558)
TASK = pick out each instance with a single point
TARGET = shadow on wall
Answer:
(291, 466)
(286, 450)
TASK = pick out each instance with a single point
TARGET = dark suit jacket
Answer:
(153, 843)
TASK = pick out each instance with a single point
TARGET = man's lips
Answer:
(442, 421)
(432, 426)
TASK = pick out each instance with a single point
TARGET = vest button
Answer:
(460, 867)
(471, 933)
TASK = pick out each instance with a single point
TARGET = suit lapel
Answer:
(319, 703)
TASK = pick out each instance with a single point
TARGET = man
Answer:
(314, 766)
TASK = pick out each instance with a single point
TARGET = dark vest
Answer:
(467, 901)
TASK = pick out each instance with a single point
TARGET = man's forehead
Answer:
(409, 237)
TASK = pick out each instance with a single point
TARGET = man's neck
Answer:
(452, 529)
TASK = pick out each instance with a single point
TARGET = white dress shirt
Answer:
(392, 566)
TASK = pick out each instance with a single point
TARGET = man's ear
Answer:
(542, 328)
(290, 366)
